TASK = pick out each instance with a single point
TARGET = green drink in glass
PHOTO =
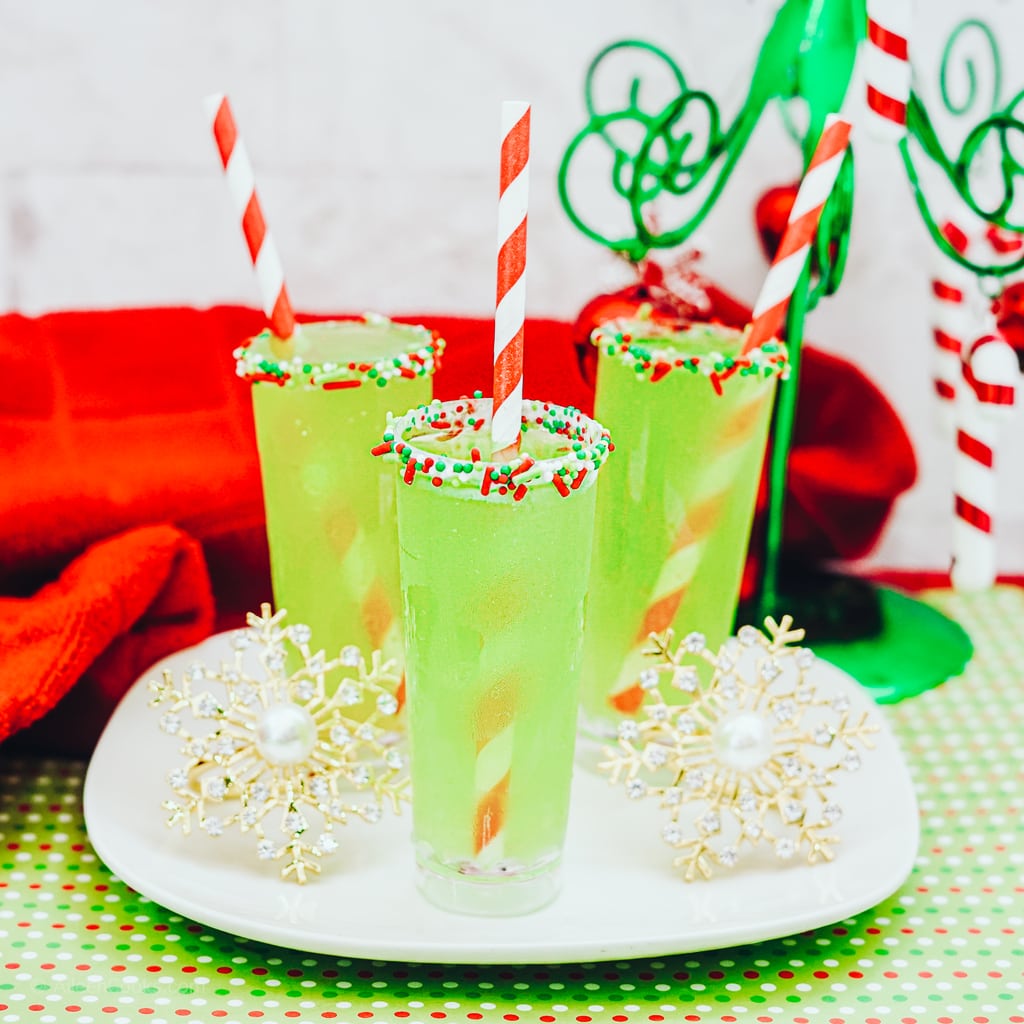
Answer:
(690, 418)
(329, 503)
(495, 562)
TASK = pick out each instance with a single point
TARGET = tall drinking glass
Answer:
(690, 419)
(495, 561)
(330, 505)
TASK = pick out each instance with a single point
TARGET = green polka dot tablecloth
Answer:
(76, 944)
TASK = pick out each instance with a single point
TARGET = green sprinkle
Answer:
(382, 382)
(478, 394)
(439, 466)
(372, 371)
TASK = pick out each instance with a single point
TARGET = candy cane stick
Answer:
(262, 251)
(887, 67)
(989, 395)
(358, 572)
(795, 247)
(510, 311)
(677, 573)
(495, 735)
(952, 321)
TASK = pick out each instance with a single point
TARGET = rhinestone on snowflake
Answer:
(752, 755)
(274, 747)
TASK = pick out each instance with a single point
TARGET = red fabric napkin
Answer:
(116, 609)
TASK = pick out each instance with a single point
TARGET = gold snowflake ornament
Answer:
(271, 743)
(750, 758)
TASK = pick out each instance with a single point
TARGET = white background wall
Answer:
(373, 128)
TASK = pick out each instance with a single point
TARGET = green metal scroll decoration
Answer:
(997, 138)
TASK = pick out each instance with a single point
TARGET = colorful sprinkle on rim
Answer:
(641, 345)
(417, 353)
(578, 446)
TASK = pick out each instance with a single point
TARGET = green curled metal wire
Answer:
(808, 55)
(1001, 130)
(945, 69)
(665, 160)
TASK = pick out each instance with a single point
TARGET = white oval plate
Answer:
(620, 896)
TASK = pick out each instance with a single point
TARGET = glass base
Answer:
(502, 896)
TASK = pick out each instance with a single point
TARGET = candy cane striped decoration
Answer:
(887, 67)
(795, 246)
(684, 558)
(495, 734)
(359, 573)
(510, 311)
(989, 395)
(952, 321)
(242, 187)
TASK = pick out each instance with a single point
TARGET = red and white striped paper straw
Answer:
(794, 248)
(242, 187)
(989, 395)
(887, 67)
(510, 311)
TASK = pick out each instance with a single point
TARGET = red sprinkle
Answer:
(337, 385)
(560, 486)
(269, 378)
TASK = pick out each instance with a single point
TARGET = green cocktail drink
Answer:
(495, 562)
(329, 503)
(690, 419)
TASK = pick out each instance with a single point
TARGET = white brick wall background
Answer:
(373, 129)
